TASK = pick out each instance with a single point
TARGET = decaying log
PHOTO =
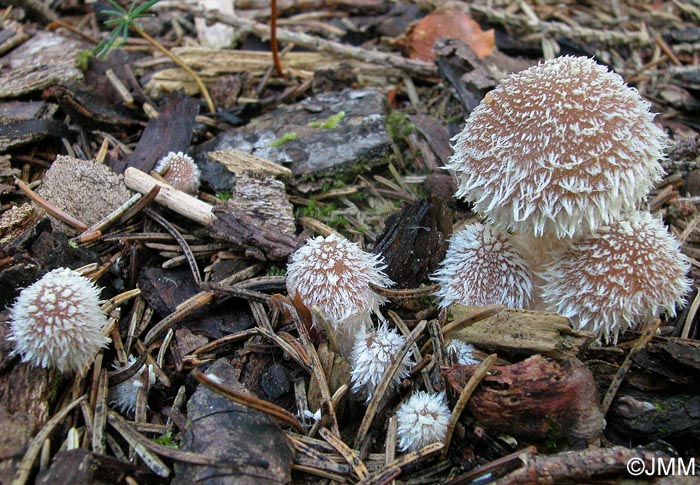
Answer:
(537, 400)
(522, 332)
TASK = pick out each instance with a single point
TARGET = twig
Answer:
(414, 66)
(571, 466)
(464, 396)
(179, 62)
(273, 39)
(649, 331)
(558, 29)
(51, 209)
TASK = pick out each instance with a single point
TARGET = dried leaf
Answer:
(421, 36)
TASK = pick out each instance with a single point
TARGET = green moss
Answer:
(289, 136)
(166, 439)
(398, 125)
(331, 122)
(325, 213)
(223, 195)
(82, 59)
(275, 270)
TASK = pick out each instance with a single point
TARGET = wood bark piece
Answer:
(521, 332)
(414, 241)
(82, 466)
(651, 416)
(44, 60)
(537, 400)
(357, 142)
(258, 237)
(171, 131)
(239, 162)
(24, 404)
(258, 450)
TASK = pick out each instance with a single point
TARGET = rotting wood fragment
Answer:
(536, 400)
(415, 241)
(523, 332)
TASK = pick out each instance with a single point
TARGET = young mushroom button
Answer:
(57, 321)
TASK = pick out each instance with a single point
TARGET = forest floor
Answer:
(339, 121)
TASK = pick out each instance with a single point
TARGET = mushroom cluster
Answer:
(561, 156)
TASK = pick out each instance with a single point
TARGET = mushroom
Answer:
(559, 149)
(462, 351)
(422, 419)
(57, 321)
(123, 395)
(335, 275)
(372, 353)
(180, 171)
(626, 273)
(482, 267)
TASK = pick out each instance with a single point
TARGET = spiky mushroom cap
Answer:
(180, 171)
(335, 275)
(372, 353)
(482, 267)
(561, 148)
(57, 321)
(423, 419)
(625, 274)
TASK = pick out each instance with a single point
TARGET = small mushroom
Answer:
(626, 273)
(372, 353)
(559, 149)
(483, 267)
(335, 275)
(180, 171)
(423, 419)
(57, 321)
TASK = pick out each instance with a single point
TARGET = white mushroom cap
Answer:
(483, 267)
(625, 274)
(57, 321)
(334, 274)
(423, 419)
(561, 148)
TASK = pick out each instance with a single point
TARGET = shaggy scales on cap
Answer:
(180, 171)
(560, 148)
(482, 267)
(627, 273)
(57, 321)
(334, 274)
